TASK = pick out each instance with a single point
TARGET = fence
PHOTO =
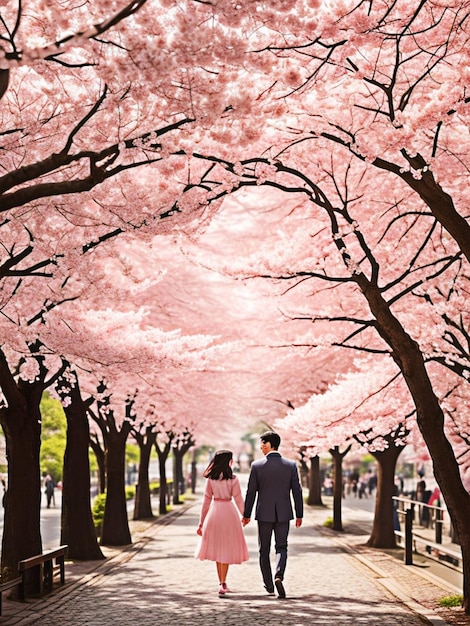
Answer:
(429, 535)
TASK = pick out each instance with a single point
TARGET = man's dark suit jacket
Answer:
(274, 478)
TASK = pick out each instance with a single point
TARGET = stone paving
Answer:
(157, 582)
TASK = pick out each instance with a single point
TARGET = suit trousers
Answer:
(265, 532)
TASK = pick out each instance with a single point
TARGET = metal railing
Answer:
(429, 516)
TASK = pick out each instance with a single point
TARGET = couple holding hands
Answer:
(272, 479)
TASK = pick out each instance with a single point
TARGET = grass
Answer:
(451, 601)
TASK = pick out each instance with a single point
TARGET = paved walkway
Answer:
(157, 582)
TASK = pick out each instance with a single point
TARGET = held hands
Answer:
(298, 522)
(245, 521)
(199, 530)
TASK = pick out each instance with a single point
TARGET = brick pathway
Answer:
(157, 582)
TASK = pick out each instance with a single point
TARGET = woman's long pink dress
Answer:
(222, 532)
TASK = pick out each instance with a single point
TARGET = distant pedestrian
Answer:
(49, 490)
(372, 482)
(362, 490)
(328, 485)
(421, 497)
(435, 498)
(220, 528)
(272, 480)
(420, 488)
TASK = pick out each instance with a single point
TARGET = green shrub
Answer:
(97, 510)
(328, 523)
(130, 493)
(154, 487)
(450, 601)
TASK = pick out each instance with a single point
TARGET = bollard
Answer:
(409, 514)
(439, 523)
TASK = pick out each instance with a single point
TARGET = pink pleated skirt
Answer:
(222, 535)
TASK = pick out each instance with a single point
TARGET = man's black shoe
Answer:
(280, 589)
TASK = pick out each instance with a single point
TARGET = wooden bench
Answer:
(41, 577)
(8, 585)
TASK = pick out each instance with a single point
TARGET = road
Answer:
(50, 522)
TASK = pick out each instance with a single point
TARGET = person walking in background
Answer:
(421, 497)
(272, 480)
(49, 490)
(222, 539)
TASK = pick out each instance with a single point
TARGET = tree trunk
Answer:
(383, 528)
(143, 502)
(115, 530)
(21, 423)
(78, 530)
(176, 476)
(194, 472)
(179, 452)
(314, 483)
(430, 418)
(439, 201)
(338, 485)
(162, 457)
(163, 453)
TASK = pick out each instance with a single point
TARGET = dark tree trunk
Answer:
(430, 418)
(115, 530)
(21, 423)
(78, 530)
(193, 476)
(383, 528)
(143, 502)
(438, 200)
(314, 483)
(338, 486)
(179, 451)
(176, 476)
(163, 453)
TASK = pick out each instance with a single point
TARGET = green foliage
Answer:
(97, 510)
(53, 437)
(366, 461)
(132, 454)
(92, 460)
(154, 487)
(451, 601)
(130, 493)
(328, 523)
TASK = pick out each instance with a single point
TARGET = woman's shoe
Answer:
(227, 590)
(222, 589)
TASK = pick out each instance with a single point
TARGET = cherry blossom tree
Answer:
(145, 438)
(374, 221)
(121, 395)
(77, 525)
(434, 258)
(366, 408)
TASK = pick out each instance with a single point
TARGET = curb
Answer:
(391, 584)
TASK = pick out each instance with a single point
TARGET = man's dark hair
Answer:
(271, 437)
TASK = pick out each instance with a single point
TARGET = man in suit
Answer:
(273, 479)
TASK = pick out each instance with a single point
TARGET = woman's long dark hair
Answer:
(219, 467)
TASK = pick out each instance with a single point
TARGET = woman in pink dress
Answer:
(222, 539)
